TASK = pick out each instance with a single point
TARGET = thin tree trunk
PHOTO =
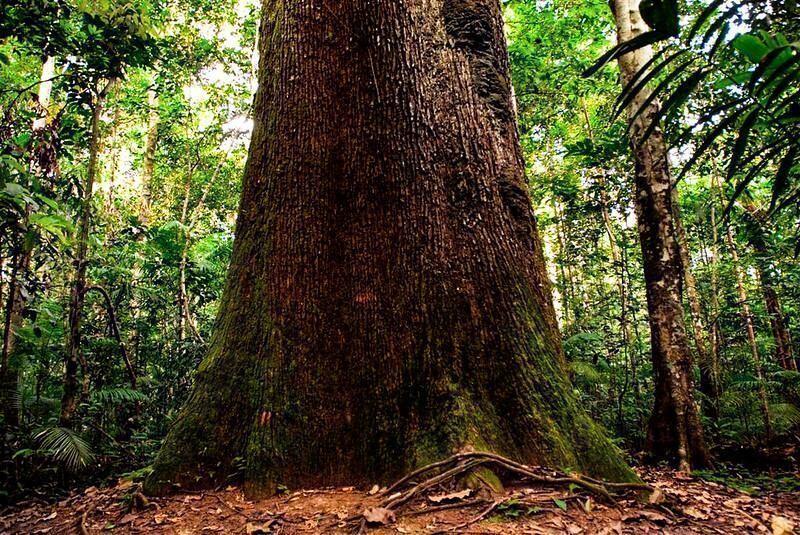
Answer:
(71, 395)
(636, 339)
(624, 324)
(566, 298)
(747, 319)
(15, 305)
(387, 301)
(45, 89)
(148, 166)
(182, 318)
(114, 327)
(674, 428)
(716, 330)
(114, 142)
(784, 352)
(9, 375)
(188, 222)
(709, 366)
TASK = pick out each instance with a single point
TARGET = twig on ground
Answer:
(445, 507)
(82, 528)
(483, 514)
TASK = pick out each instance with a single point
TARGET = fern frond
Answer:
(117, 396)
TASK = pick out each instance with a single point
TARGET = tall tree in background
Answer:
(674, 428)
(757, 228)
(72, 391)
(21, 260)
(387, 302)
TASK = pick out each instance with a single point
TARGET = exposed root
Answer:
(400, 494)
(82, 528)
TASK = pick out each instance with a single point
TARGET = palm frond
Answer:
(66, 447)
(784, 415)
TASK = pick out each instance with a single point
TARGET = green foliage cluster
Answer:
(195, 58)
(580, 175)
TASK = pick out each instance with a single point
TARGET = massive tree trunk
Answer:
(387, 302)
(674, 429)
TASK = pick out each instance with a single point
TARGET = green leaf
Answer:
(676, 99)
(741, 141)
(751, 47)
(66, 447)
(116, 396)
(561, 504)
(781, 182)
(25, 452)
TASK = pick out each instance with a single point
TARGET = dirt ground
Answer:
(681, 505)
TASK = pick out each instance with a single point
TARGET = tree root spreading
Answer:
(401, 493)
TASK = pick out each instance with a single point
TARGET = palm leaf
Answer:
(65, 447)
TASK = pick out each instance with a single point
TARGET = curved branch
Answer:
(112, 321)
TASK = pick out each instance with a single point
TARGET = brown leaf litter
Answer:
(680, 505)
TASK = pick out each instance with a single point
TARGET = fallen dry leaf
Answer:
(252, 528)
(657, 496)
(695, 513)
(782, 526)
(127, 519)
(379, 515)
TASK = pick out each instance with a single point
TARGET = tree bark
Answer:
(674, 429)
(387, 301)
(70, 397)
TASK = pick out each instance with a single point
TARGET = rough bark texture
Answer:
(674, 429)
(387, 302)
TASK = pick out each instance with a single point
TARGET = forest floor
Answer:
(683, 504)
